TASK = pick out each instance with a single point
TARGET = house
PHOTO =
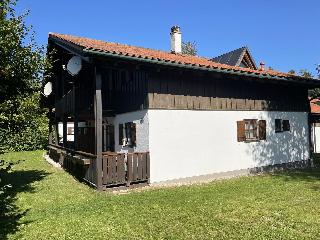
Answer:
(315, 125)
(240, 57)
(151, 116)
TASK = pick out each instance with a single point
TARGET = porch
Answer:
(81, 131)
(115, 169)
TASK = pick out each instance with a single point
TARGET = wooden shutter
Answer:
(241, 131)
(120, 133)
(133, 134)
(262, 129)
(278, 127)
(285, 125)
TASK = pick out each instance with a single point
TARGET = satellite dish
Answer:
(74, 65)
(47, 89)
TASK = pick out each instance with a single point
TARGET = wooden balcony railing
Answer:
(76, 99)
(125, 169)
(118, 169)
(65, 105)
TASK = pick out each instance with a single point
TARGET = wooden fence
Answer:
(125, 169)
(118, 169)
(77, 163)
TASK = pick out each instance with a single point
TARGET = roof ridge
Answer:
(244, 47)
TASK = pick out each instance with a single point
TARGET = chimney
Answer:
(175, 39)
(262, 66)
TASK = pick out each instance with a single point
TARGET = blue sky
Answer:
(284, 34)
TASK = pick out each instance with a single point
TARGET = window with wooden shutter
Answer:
(241, 131)
(262, 129)
(285, 125)
(249, 130)
(120, 134)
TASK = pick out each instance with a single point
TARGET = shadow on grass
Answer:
(309, 175)
(10, 214)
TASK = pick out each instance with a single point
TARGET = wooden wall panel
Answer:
(196, 92)
(133, 89)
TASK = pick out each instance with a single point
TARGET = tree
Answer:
(292, 71)
(305, 73)
(23, 124)
(189, 48)
(314, 93)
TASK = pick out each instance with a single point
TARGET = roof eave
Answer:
(210, 69)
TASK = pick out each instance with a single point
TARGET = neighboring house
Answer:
(154, 116)
(315, 125)
(240, 57)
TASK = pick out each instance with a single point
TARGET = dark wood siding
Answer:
(124, 90)
(127, 87)
(195, 92)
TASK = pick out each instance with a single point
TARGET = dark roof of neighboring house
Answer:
(314, 105)
(235, 57)
(97, 47)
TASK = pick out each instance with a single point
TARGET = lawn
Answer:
(47, 203)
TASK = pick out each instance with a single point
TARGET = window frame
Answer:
(252, 128)
(278, 125)
(282, 125)
(128, 129)
(70, 130)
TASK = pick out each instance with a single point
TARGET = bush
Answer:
(24, 68)
(316, 159)
(23, 125)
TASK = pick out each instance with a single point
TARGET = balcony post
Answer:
(98, 128)
(65, 130)
(75, 118)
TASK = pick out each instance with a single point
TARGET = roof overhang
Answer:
(91, 53)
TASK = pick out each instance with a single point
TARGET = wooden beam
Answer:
(56, 132)
(50, 126)
(98, 128)
(76, 119)
(65, 132)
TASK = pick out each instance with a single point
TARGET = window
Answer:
(285, 125)
(281, 125)
(70, 131)
(278, 125)
(251, 130)
(127, 134)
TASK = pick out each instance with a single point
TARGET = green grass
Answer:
(50, 204)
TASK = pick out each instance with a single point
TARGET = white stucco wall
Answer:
(316, 137)
(185, 143)
(142, 130)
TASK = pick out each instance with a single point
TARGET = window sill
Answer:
(253, 140)
(127, 146)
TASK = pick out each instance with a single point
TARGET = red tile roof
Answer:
(315, 108)
(139, 52)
